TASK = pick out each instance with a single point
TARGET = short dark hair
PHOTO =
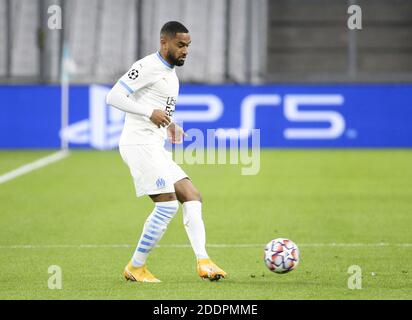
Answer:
(170, 29)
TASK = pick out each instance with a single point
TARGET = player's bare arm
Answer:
(160, 118)
(175, 133)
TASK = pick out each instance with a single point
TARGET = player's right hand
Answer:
(160, 118)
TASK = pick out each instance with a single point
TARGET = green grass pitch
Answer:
(354, 198)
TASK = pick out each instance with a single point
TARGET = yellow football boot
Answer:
(207, 269)
(139, 274)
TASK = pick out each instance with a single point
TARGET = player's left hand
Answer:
(175, 133)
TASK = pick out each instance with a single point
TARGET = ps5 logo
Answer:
(292, 113)
(104, 127)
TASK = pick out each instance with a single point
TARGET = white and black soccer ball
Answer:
(281, 255)
(133, 74)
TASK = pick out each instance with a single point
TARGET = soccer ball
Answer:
(281, 255)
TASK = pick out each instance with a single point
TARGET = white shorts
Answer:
(152, 168)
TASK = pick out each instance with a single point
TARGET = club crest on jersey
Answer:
(133, 74)
(160, 183)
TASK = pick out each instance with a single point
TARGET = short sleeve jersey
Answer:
(151, 82)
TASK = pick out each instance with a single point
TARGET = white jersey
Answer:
(152, 83)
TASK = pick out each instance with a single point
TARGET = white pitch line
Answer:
(108, 246)
(33, 166)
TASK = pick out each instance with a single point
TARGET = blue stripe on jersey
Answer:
(167, 64)
(142, 250)
(126, 86)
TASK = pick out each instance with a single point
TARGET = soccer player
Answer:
(148, 93)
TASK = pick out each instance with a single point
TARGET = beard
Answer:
(175, 61)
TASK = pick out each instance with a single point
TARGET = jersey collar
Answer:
(167, 64)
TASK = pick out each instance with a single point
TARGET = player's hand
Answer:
(175, 133)
(160, 118)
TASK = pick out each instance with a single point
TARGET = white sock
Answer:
(195, 228)
(153, 230)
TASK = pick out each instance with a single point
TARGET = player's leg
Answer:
(191, 200)
(166, 206)
(150, 176)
